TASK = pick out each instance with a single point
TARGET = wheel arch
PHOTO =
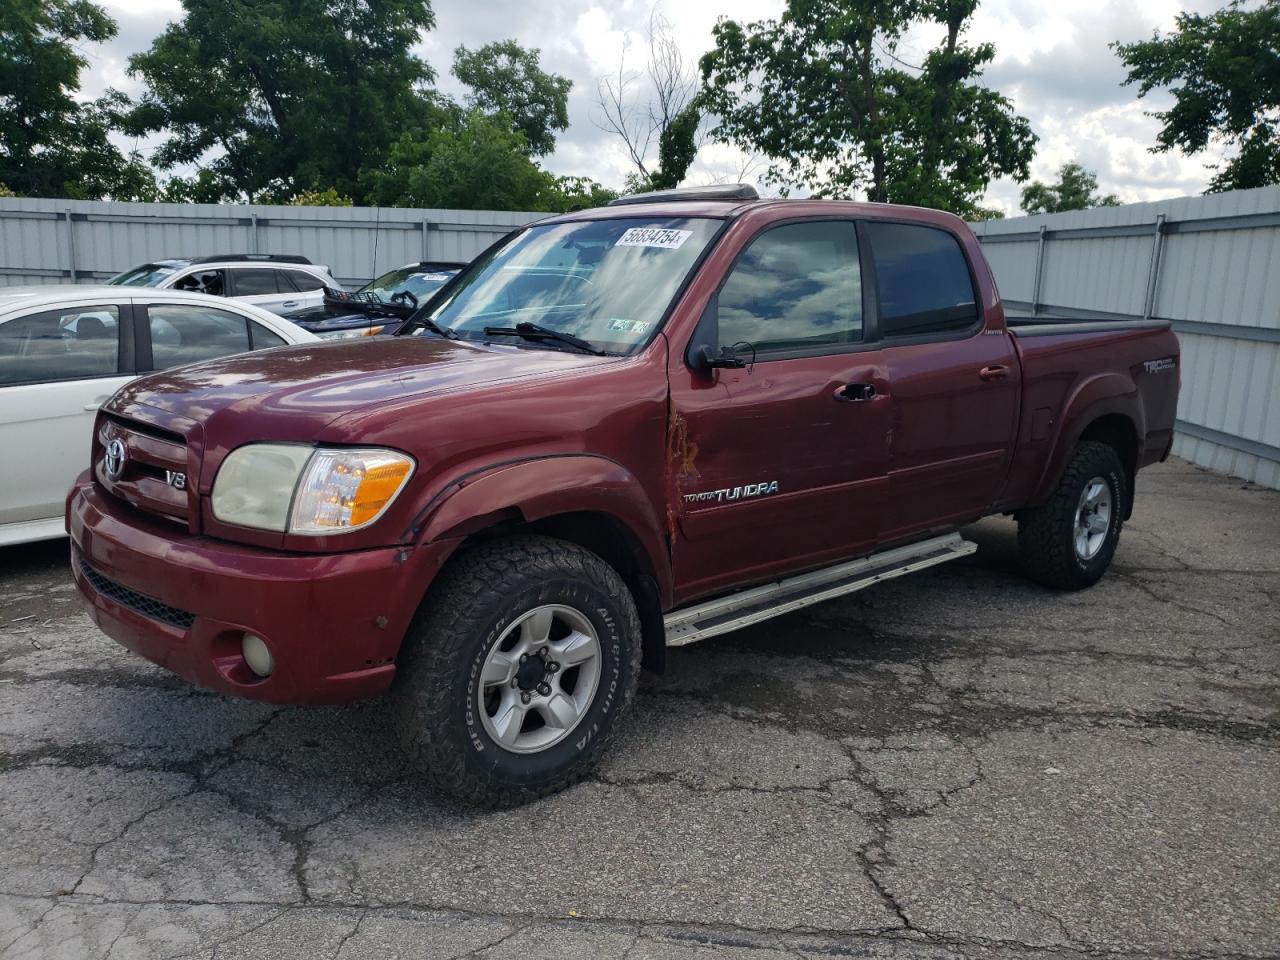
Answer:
(1106, 408)
(589, 501)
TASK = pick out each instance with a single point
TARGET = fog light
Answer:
(256, 655)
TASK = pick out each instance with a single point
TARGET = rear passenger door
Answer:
(309, 287)
(56, 368)
(175, 334)
(265, 287)
(955, 389)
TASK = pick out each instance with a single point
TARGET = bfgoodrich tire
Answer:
(516, 670)
(1068, 542)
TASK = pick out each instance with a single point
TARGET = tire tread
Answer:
(436, 646)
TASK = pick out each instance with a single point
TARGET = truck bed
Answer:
(1065, 362)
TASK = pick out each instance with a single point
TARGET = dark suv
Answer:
(380, 306)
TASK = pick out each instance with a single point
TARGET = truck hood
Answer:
(291, 392)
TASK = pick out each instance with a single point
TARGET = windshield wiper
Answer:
(531, 331)
(408, 328)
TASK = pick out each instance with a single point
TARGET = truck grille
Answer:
(154, 474)
(137, 602)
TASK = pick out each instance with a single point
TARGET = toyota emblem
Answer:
(114, 460)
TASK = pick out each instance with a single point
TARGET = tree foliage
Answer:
(475, 161)
(1075, 189)
(276, 96)
(51, 145)
(328, 197)
(505, 77)
(1223, 71)
(822, 94)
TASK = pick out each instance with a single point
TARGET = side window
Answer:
(60, 345)
(188, 333)
(255, 283)
(304, 281)
(211, 282)
(795, 287)
(262, 337)
(924, 282)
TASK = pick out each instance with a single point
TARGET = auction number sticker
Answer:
(659, 237)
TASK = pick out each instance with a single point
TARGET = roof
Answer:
(730, 209)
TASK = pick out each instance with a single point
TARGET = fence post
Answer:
(1035, 293)
(426, 232)
(1153, 271)
(253, 233)
(71, 244)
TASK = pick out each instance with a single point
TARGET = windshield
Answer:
(415, 280)
(147, 275)
(607, 282)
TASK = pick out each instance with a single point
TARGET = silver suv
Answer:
(280, 283)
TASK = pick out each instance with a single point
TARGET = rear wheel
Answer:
(1068, 542)
(516, 670)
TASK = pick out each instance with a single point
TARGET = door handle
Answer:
(95, 404)
(997, 371)
(291, 303)
(855, 392)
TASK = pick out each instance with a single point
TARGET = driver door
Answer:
(782, 463)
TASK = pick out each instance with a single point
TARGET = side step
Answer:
(783, 596)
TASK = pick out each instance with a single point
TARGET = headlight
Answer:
(351, 334)
(330, 489)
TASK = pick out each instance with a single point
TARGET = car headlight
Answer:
(351, 334)
(292, 488)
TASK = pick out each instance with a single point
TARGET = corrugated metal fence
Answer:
(1209, 264)
(60, 241)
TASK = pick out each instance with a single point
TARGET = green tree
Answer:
(677, 148)
(823, 95)
(1223, 71)
(320, 198)
(1076, 189)
(278, 96)
(566, 194)
(51, 145)
(505, 77)
(477, 163)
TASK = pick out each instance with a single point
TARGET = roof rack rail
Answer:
(266, 257)
(723, 191)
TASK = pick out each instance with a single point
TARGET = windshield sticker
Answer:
(622, 325)
(429, 276)
(659, 237)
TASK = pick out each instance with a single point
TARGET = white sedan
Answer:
(65, 349)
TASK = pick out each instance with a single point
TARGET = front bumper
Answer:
(333, 622)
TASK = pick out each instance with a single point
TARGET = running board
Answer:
(783, 596)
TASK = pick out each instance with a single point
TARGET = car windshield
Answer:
(607, 282)
(419, 281)
(147, 275)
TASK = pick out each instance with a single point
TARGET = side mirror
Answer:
(704, 359)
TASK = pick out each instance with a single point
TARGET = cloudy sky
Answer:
(1051, 59)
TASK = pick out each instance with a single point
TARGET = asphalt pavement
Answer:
(956, 763)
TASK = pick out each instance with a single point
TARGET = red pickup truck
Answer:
(617, 430)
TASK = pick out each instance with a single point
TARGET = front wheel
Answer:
(516, 670)
(1068, 542)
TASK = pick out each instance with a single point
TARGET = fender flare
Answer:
(545, 486)
(1098, 396)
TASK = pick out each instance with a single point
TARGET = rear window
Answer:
(923, 279)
